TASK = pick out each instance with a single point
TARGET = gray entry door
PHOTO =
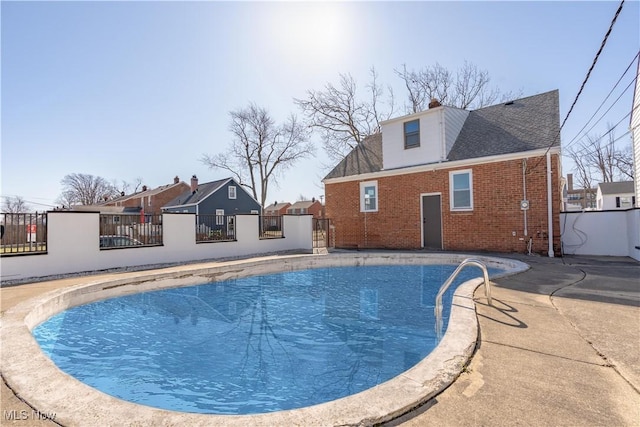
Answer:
(432, 222)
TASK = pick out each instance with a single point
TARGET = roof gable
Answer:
(610, 188)
(365, 158)
(525, 124)
(303, 204)
(277, 206)
(203, 191)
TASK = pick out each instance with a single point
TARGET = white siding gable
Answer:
(454, 118)
(439, 128)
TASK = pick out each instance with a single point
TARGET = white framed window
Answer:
(219, 216)
(255, 212)
(232, 191)
(461, 190)
(369, 196)
(412, 134)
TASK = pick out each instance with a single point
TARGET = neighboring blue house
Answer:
(220, 198)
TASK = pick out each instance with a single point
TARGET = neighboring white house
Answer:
(615, 195)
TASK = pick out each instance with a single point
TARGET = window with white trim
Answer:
(412, 134)
(219, 216)
(461, 190)
(232, 191)
(369, 196)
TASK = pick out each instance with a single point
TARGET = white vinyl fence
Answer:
(614, 233)
(73, 245)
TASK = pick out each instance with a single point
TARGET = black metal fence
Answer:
(130, 230)
(271, 227)
(215, 228)
(323, 233)
(23, 233)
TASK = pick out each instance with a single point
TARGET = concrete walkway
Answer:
(559, 347)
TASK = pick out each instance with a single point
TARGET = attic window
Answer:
(232, 191)
(412, 134)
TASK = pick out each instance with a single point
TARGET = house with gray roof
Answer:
(306, 207)
(276, 209)
(452, 179)
(615, 195)
(222, 199)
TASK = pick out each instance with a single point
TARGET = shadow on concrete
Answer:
(499, 305)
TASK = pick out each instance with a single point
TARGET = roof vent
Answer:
(508, 103)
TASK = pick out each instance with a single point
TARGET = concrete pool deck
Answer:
(559, 346)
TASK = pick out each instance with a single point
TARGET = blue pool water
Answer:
(257, 344)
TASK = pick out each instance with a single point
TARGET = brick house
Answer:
(151, 200)
(451, 179)
(306, 207)
(277, 209)
(578, 198)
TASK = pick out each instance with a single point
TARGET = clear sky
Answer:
(143, 89)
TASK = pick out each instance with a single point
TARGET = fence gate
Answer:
(323, 233)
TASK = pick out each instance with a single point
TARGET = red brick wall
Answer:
(497, 192)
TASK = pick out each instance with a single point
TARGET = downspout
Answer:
(549, 205)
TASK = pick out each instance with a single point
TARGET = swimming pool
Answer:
(40, 383)
(256, 344)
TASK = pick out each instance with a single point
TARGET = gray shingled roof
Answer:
(277, 207)
(302, 204)
(623, 187)
(365, 158)
(525, 124)
(202, 191)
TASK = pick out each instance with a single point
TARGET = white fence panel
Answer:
(612, 233)
(73, 245)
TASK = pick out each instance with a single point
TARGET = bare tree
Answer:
(597, 160)
(124, 186)
(15, 205)
(343, 119)
(85, 189)
(624, 163)
(260, 150)
(468, 88)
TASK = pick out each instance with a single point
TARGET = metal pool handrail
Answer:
(445, 286)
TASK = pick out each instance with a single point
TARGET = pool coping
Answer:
(35, 379)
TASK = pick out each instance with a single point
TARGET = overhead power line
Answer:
(605, 100)
(590, 150)
(593, 64)
(611, 129)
